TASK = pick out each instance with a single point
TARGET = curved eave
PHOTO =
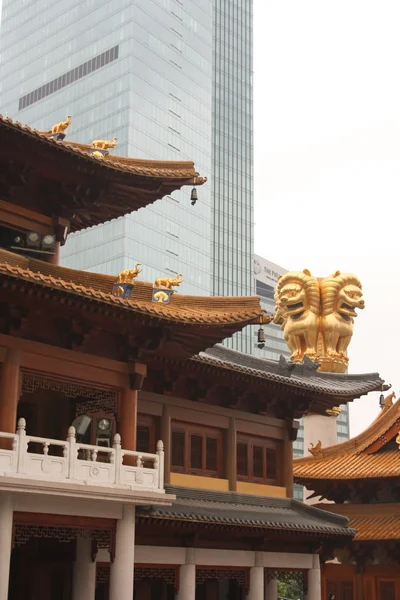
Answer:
(93, 190)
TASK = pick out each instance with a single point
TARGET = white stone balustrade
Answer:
(71, 461)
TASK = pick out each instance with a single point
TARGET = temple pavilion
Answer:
(139, 457)
(362, 478)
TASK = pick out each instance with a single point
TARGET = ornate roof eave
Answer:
(358, 458)
(372, 522)
(204, 320)
(81, 188)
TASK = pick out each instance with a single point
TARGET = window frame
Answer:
(266, 444)
(204, 432)
(148, 421)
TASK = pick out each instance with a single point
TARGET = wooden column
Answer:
(54, 259)
(9, 390)
(231, 455)
(292, 427)
(127, 414)
(166, 438)
(288, 470)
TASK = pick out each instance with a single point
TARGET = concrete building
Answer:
(172, 81)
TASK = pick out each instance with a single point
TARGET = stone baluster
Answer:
(117, 458)
(22, 445)
(160, 454)
(72, 452)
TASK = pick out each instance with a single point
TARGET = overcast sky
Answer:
(327, 159)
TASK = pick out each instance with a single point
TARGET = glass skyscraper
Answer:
(171, 80)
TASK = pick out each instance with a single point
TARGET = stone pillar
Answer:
(84, 572)
(314, 580)
(271, 590)
(9, 394)
(256, 591)
(187, 577)
(127, 414)
(6, 529)
(121, 573)
(257, 576)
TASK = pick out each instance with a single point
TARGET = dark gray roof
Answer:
(232, 508)
(301, 375)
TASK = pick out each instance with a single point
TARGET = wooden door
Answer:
(386, 589)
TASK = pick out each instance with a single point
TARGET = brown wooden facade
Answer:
(69, 347)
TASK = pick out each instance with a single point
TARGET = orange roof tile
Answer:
(360, 457)
(197, 310)
(371, 522)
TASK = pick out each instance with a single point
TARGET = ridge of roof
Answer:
(292, 374)
(142, 167)
(209, 310)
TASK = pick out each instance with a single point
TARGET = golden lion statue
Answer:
(168, 282)
(129, 275)
(317, 316)
(104, 144)
(297, 305)
(341, 294)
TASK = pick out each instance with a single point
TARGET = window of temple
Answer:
(196, 450)
(146, 434)
(258, 460)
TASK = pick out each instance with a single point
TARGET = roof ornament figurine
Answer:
(100, 147)
(334, 411)
(125, 282)
(316, 450)
(317, 316)
(162, 289)
(57, 132)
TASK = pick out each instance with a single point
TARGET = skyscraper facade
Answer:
(171, 80)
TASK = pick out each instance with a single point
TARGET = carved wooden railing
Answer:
(70, 461)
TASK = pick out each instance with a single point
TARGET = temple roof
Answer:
(299, 375)
(372, 522)
(231, 509)
(370, 455)
(215, 317)
(65, 179)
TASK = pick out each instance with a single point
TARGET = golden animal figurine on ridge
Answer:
(168, 282)
(104, 144)
(129, 275)
(61, 126)
(316, 450)
(317, 316)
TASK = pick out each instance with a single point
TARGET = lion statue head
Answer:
(341, 293)
(296, 293)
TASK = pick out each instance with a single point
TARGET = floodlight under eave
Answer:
(33, 240)
(81, 425)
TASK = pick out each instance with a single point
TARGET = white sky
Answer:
(327, 158)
